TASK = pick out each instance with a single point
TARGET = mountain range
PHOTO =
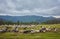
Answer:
(32, 18)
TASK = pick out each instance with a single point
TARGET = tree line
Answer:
(54, 21)
(3, 22)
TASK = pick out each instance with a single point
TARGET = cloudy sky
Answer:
(30, 7)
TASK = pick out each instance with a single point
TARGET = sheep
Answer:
(4, 30)
(37, 31)
(58, 29)
(54, 29)
(15, 29)
(1, 31)
(25, 28)
(34, 31)
(48, 29)
(27, 31)
(43, 29)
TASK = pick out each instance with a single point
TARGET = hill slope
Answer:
(26, 18)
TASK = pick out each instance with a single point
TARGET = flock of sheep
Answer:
(15, 29)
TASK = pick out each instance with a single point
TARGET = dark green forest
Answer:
(3, 22)
(54, 21)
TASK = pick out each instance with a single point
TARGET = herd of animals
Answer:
(42, 29)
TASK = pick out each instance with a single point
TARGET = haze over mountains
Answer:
(27, 18)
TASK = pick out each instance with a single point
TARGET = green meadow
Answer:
(41, 35)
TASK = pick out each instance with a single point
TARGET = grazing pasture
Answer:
(40, 35)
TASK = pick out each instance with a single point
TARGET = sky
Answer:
(30, 7)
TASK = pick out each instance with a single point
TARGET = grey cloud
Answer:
(30, 7)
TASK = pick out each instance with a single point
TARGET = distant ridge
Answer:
(27, 18)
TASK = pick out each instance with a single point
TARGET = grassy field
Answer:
(46, 35)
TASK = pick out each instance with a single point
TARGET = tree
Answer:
(18, 22)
